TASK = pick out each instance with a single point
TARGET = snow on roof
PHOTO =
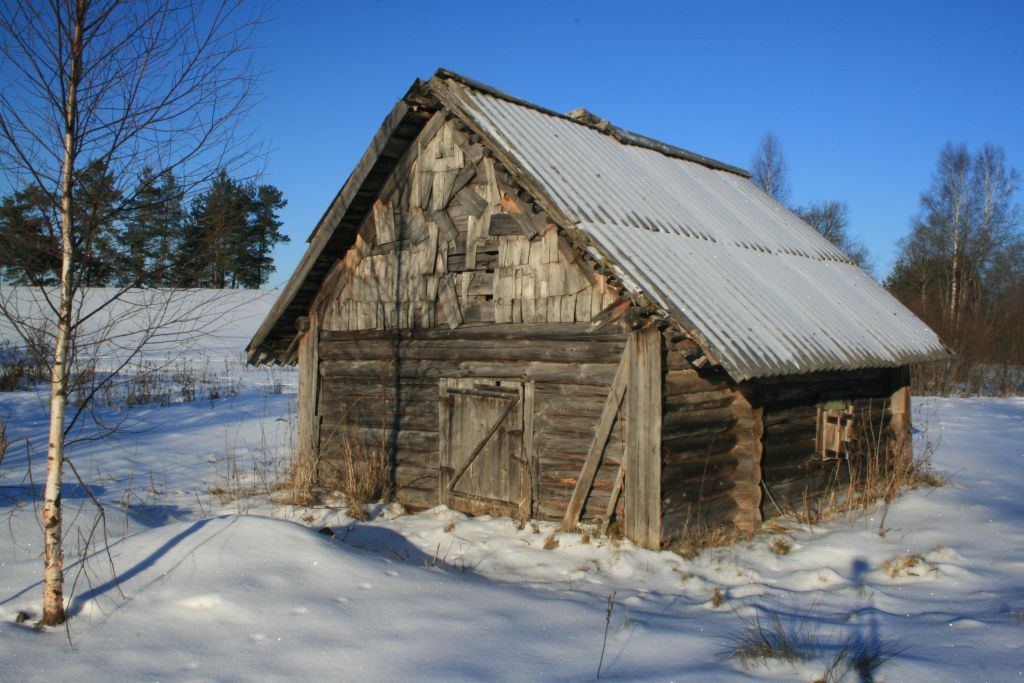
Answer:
(762, 289)
(755, 286)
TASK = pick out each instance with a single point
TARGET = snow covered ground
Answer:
(212, 586)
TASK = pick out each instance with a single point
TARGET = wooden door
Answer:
(481, 447)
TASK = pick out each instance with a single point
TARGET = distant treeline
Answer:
(148, 237)
(961, 269)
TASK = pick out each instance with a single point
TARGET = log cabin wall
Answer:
(454, 275)
(706, 443)
(793, 468)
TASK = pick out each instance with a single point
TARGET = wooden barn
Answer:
(548, 315)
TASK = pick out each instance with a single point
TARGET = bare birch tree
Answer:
(768, 168)
(131, 85)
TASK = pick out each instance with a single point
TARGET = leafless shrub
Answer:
(22, 366)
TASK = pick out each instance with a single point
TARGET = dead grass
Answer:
(778, 640)
(551, 542)
(359, 471)
(4, 443)
(911, 564)
(798, 639)
(245, 470)
(717, 598)
(876, 471)
(781, 545)
(698, 537)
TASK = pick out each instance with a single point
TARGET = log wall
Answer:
(703, 441)
(381, 390)
(792, 468)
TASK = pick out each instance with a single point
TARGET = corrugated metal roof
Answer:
(768, 294)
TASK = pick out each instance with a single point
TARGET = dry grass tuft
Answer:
(798, 640)
(758, 642)
(358, 471)
(911, 564)
(717, 598)
(551, 542)
(781, 545)
(697, 537)
(4, 443)
(449, 527)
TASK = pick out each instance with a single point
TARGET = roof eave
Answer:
(414, 108)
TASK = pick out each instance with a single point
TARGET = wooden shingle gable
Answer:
(450, 240)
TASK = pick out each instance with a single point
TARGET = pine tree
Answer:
(264, 234)
(152, 233)
(29, 245)
(97, 203)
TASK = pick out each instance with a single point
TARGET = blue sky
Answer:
(862, 95)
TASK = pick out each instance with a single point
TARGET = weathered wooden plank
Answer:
(610, 315)
(472, 202)
(899, 401)
(384, 222)
(442, 188)
(474, 153)
(613, 499)
(511, 224)
(308, 427)
(531, 470)
(449, 301)
(597, 446)
(477, 349)
(642, 522)
(448, 233)
(748, 472)
(473, 236)
(463, 178)
(562, 373)
(550, 331)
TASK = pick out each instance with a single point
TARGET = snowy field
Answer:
(215, 582)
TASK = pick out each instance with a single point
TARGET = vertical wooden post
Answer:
(748, 452)
(642, 523)
(900, 402)
(309, 394)
(531, 467)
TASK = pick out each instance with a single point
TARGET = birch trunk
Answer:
(53, 564)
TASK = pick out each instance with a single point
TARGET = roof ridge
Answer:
(622, 135)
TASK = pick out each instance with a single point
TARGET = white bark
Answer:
(53, 566)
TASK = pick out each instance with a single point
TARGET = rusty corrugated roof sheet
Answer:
(766, 293)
